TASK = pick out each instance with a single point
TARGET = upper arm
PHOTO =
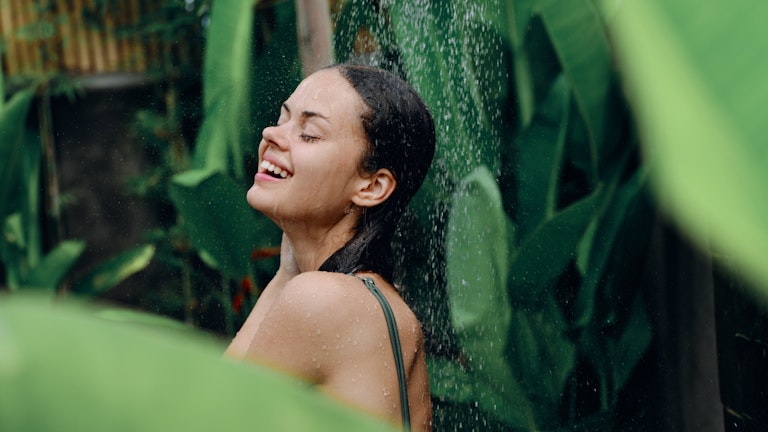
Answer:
(299, 330)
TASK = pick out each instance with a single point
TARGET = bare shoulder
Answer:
(336, 299)
(330, 330)
(332, 286)
(320, 293)
(323, 301)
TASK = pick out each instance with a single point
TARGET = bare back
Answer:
(328, 329)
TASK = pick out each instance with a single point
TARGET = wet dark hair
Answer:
(401, 138)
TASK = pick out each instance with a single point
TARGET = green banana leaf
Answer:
(544, 254)
(219, 221)
(517, 15)
(430, 41)
(21, 244)
(50, 271)
(250, 68)
(477, 247)
(66, 367)
(695, 75)
(227, 83)
(542, 358)
(2, 85)
(578, 35)
(114, 270)
(13, 245)
(605, 240)
(625, 351)
(276, 70)
(540, 158)
(12, 130)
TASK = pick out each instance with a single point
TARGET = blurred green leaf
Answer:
(2, 82)
(117, 376)
(429, 43)
(578, 35)
(477, 255)
(115, 270)
(695, 74)
(625, 351)
(541, 357)
(30, 198)
(13, 247)
(519, 13)
(477, 248)
(540, 158)
(227, 83)
(49, 272)
(277, 67)
(606, 233)
(449, 380)
(12, 125)
(219, 221)
(543, 255)
(347, 23)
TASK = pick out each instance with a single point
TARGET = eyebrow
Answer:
(306, 114)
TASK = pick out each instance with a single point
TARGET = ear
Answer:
(375, 189)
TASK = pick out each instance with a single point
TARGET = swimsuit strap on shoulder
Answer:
(395, 339)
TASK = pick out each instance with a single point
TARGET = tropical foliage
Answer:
(540, 204)
(536, 216)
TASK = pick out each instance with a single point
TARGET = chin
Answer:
(266, 205)
(253, 199)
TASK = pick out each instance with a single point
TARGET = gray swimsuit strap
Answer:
(395, 339)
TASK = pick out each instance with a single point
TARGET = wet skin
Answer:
(327, 328)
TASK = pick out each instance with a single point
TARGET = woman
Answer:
(351, 147)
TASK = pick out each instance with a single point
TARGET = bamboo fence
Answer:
(83, 37)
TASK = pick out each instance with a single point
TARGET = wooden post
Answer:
(313, 24)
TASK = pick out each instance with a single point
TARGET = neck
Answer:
(313, 245)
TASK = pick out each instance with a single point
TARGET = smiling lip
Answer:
(271, 171)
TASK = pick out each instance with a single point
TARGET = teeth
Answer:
(274, 169)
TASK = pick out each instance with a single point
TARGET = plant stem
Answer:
(52, 202)
(186, 288)
(229, 319)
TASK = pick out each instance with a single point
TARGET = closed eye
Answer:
(309, 138)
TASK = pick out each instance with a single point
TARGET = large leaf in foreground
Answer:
(64, 368)
(695, 73)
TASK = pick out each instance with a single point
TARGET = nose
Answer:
(276, 136)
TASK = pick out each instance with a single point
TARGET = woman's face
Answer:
(308, 162)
